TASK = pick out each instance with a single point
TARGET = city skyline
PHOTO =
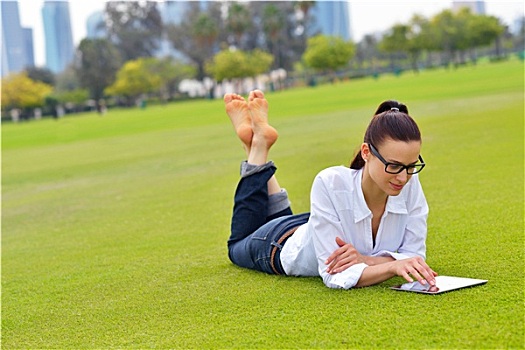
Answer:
(58, 35)
(17, 46)
(366, 17)
(332, 18)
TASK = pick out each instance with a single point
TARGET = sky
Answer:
(366, 17)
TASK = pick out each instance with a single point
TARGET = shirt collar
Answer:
(394, 204)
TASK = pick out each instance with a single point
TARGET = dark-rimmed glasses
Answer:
(396, 168)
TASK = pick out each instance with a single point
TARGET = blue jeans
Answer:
(255, 231)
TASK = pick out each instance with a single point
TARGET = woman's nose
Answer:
(402, 176)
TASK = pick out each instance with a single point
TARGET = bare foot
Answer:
(262, 131)
(237, 110)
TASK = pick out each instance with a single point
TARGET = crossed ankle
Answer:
(248, 169)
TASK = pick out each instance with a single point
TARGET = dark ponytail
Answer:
(391, 121)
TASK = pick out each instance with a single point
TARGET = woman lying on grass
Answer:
(367, 223)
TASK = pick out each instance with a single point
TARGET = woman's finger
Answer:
(406, 276)
(427, 272)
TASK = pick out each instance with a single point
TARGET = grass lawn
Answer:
(114, 228)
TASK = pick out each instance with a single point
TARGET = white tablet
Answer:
(443, 284)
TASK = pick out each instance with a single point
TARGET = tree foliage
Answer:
(235, 64)
(135, 27)
(196, 36)
(135, 79)
(328, 53)
(96, 65)
(273, 24)
(233, 40)
(406, 40)
(483, 30)
(76, 97)
(41, 74)
(451, 33)
(148, 75)
(171, 73)
(455, 33)
(19, 91)
(239, 20)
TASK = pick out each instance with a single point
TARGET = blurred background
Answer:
(65, 57)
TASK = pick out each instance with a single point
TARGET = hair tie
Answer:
(394, 109)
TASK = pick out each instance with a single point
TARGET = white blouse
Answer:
(338, 208)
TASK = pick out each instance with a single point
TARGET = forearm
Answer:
(376, 274)
(377, 260)
(410, 269)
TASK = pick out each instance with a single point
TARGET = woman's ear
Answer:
(365, 151)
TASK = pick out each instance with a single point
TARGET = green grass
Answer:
(114, 228)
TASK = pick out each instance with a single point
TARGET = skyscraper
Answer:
(17, 42)
(28, 42)
(58, 35)
(95, 25)
(331, 18)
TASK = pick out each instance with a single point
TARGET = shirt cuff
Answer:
(346, 279)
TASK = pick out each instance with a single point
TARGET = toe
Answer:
(258, 94)
(228, 98)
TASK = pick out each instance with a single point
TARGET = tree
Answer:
(328, 53)
(455, 33)
(407, 40)
(485, 30)
(171, 73)
(19, 91)
(443, 32)
(367, 52)
(43, 75)
(196, 37)
(304, 19)
(273, 23)
(134, 27)
(134, 79)
(238, 21)
(237, 64)
(304, 7)
(72, 99)
(96, 65)
(68, 80)
(149, 76)
(395, 42)
(420, 38)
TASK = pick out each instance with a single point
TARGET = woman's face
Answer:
(397, 152)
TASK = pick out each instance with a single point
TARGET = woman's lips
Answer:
(396, 187)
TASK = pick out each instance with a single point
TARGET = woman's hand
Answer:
(415, 267)
(343, 257)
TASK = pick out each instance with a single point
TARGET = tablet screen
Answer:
(443, 284)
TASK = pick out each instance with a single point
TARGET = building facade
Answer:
(17, 42)
(331, 18)
(58, 36)
(95, 26)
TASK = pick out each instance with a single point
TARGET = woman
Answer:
(367, 223)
